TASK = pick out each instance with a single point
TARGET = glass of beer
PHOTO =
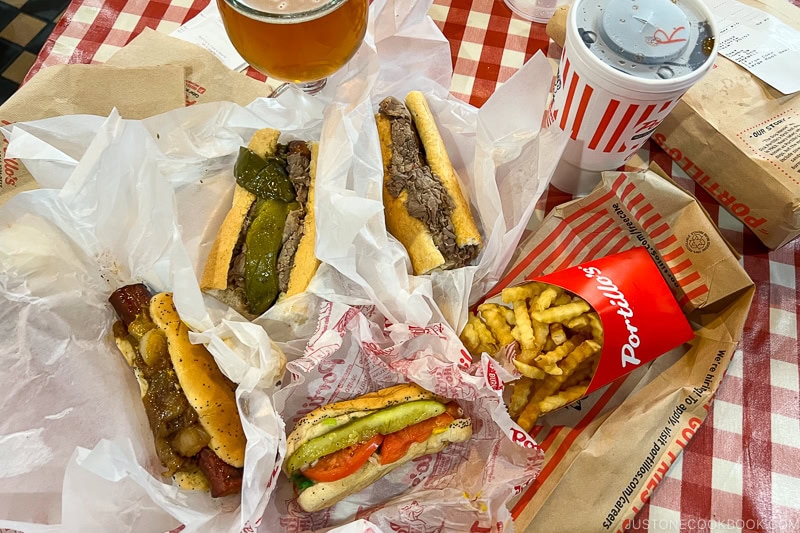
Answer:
(297, 41)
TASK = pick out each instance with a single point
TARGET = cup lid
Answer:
(645, 31)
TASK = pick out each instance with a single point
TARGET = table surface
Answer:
(741, 471)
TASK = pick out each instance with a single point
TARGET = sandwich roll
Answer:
(190, 404)
(264, 249)
(424, 206)
(341, 448)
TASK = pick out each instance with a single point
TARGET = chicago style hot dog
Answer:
(190, 404)
(265, 247)
(341, 448)
(424, 206)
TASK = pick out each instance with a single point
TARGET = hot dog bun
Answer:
(209, 392)
(415, 234)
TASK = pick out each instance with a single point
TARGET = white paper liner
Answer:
(354, 351)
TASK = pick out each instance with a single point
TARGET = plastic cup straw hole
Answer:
(665, 72)
(588, 37)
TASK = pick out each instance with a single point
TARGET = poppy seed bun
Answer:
(208, 391)
(309, 427)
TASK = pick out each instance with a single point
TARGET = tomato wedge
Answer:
(396, 445)
(338, 465)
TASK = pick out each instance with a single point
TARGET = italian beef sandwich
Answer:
(264, 249)
(424, 206)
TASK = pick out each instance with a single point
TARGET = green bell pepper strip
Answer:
(264, 240)
(266, 178)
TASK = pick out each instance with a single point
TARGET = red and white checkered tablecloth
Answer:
(741, 471)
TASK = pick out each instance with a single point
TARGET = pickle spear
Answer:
(385, 421)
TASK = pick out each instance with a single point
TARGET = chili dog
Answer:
(424, 206)
(190, 404)
(343, 447)
(264, 249)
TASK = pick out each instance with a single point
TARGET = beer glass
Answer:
(296, 41)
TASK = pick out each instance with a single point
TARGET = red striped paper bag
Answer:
(606, 454)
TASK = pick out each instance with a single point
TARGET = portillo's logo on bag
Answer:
(576, 330)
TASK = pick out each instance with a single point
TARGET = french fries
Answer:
(558, 338)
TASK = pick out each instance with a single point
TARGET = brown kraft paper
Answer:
(739, 139)
(136, 93)
(152, 74)
(207, 78)
(611, 450)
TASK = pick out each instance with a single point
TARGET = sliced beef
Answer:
(298, 165)
(292, 233)
(236, 270)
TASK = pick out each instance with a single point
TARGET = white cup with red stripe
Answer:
(624, 66)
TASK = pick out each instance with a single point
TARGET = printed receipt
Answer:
(206, 30)
(759, 42)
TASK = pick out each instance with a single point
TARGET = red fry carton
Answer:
(641, 319)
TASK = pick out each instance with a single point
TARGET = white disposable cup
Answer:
(608, 113)
(536, 10)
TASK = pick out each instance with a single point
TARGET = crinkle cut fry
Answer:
(546, 298)
(480, 335)
(552, 383)
(519, 396)
(557, 333)
(524, 326)
(541, 331)
(496, 321)
(561, 398)
(583, 372)
(527, 291)
(549, 359)
(469, 336)
(529, 370)
(561, 313)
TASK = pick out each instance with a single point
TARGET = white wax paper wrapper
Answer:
(76, 447)
(354, 350)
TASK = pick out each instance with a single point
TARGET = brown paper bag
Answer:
(738, 138)
(625, 436)
(152, 74)
(207, 78)
(86, 89)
